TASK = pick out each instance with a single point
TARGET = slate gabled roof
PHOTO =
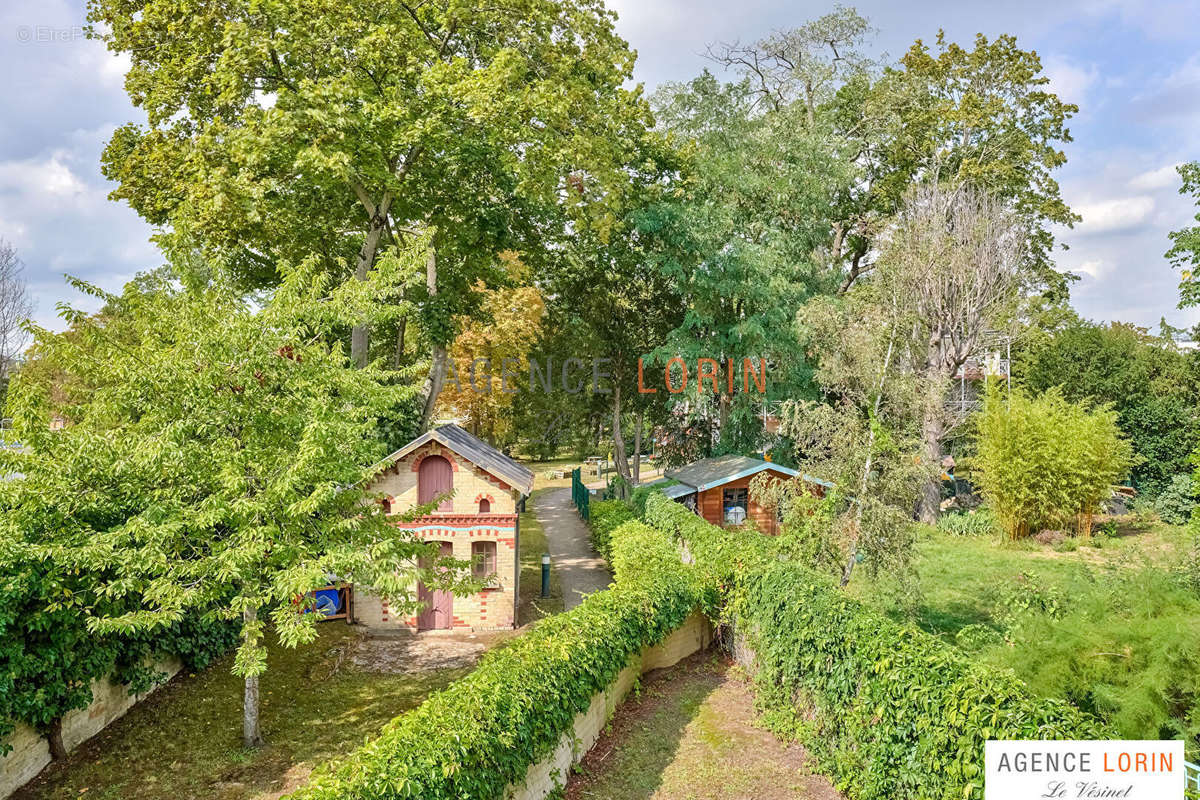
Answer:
(709, 472)
(475, 450)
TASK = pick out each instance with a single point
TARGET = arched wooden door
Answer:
(434, 477)
(438, 613)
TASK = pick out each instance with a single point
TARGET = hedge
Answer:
(605, 517)
(483, 732)
(889, 711)
(49, 659)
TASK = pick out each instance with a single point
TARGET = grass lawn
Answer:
(687, 734)
(964, 580)
(185, 740)
(530, 605)
(1111, 628)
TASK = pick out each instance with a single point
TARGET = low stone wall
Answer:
(31, 752)
(544, 777)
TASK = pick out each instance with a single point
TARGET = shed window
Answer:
(483, 559)
(736, 505)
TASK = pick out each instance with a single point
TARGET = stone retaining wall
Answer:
(31, 752)
(544, 777)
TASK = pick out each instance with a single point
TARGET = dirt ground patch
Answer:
(406, 652)
(689, 734)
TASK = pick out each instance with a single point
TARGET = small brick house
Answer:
(718, 489)
(478, 524)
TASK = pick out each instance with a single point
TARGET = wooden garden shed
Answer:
(718, 489)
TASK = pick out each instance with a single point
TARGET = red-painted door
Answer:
(438, 613)
(434, 477)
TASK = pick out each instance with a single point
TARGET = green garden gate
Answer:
(579, 493)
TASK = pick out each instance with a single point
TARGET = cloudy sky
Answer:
(1132, 66)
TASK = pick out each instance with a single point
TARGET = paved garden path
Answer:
(579, 568)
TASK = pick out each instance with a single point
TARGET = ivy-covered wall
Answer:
(479, 736)
(889, 711)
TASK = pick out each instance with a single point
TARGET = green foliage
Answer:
(1127, 650)
(1185, 242)
(483, 732)
(979, 522)
(215, 464)
(1150, 385)
(642, 494)
(49, 659)
(603, 518)
(1177, 501)
(888, 710)
(1041, 461)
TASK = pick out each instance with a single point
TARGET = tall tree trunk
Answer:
(848, 570)
(637, 449)
(58, 750)
(251, 735)
(931, 434)
(437, 361)
(366, 260)
(398, 358)
(620, 461)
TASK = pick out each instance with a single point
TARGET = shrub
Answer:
(642, 494)
(888, 710)
(1175, 504)
(1128, 651)
(604, 517)
(1042, 460)
(968, 523)
(481, 734)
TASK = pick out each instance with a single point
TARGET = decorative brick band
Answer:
(460, 521)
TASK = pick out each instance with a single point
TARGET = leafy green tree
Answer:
(1043, 461)
(283, 130)
(1153, 388)
(215, 464)
(981, 117)
(1185, 242)
(863, 436)
(740, 240)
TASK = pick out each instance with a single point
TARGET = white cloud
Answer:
(1110, 216)
(1068, 80)
(1152, 180)
(1093, 267)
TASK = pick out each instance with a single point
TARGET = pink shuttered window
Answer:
(434, 477)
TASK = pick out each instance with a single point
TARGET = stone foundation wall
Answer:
(547, 775)
(31, 752)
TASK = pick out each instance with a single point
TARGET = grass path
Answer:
(689, 734)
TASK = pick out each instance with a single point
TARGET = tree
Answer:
(215, 464)
(954, 262)
(739, 240)
(1043, 461)
(490, 358)
(1185, 242)
(864, 437)
(15, 308)
(1149, 383)
(981, 118)
(283, 130)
